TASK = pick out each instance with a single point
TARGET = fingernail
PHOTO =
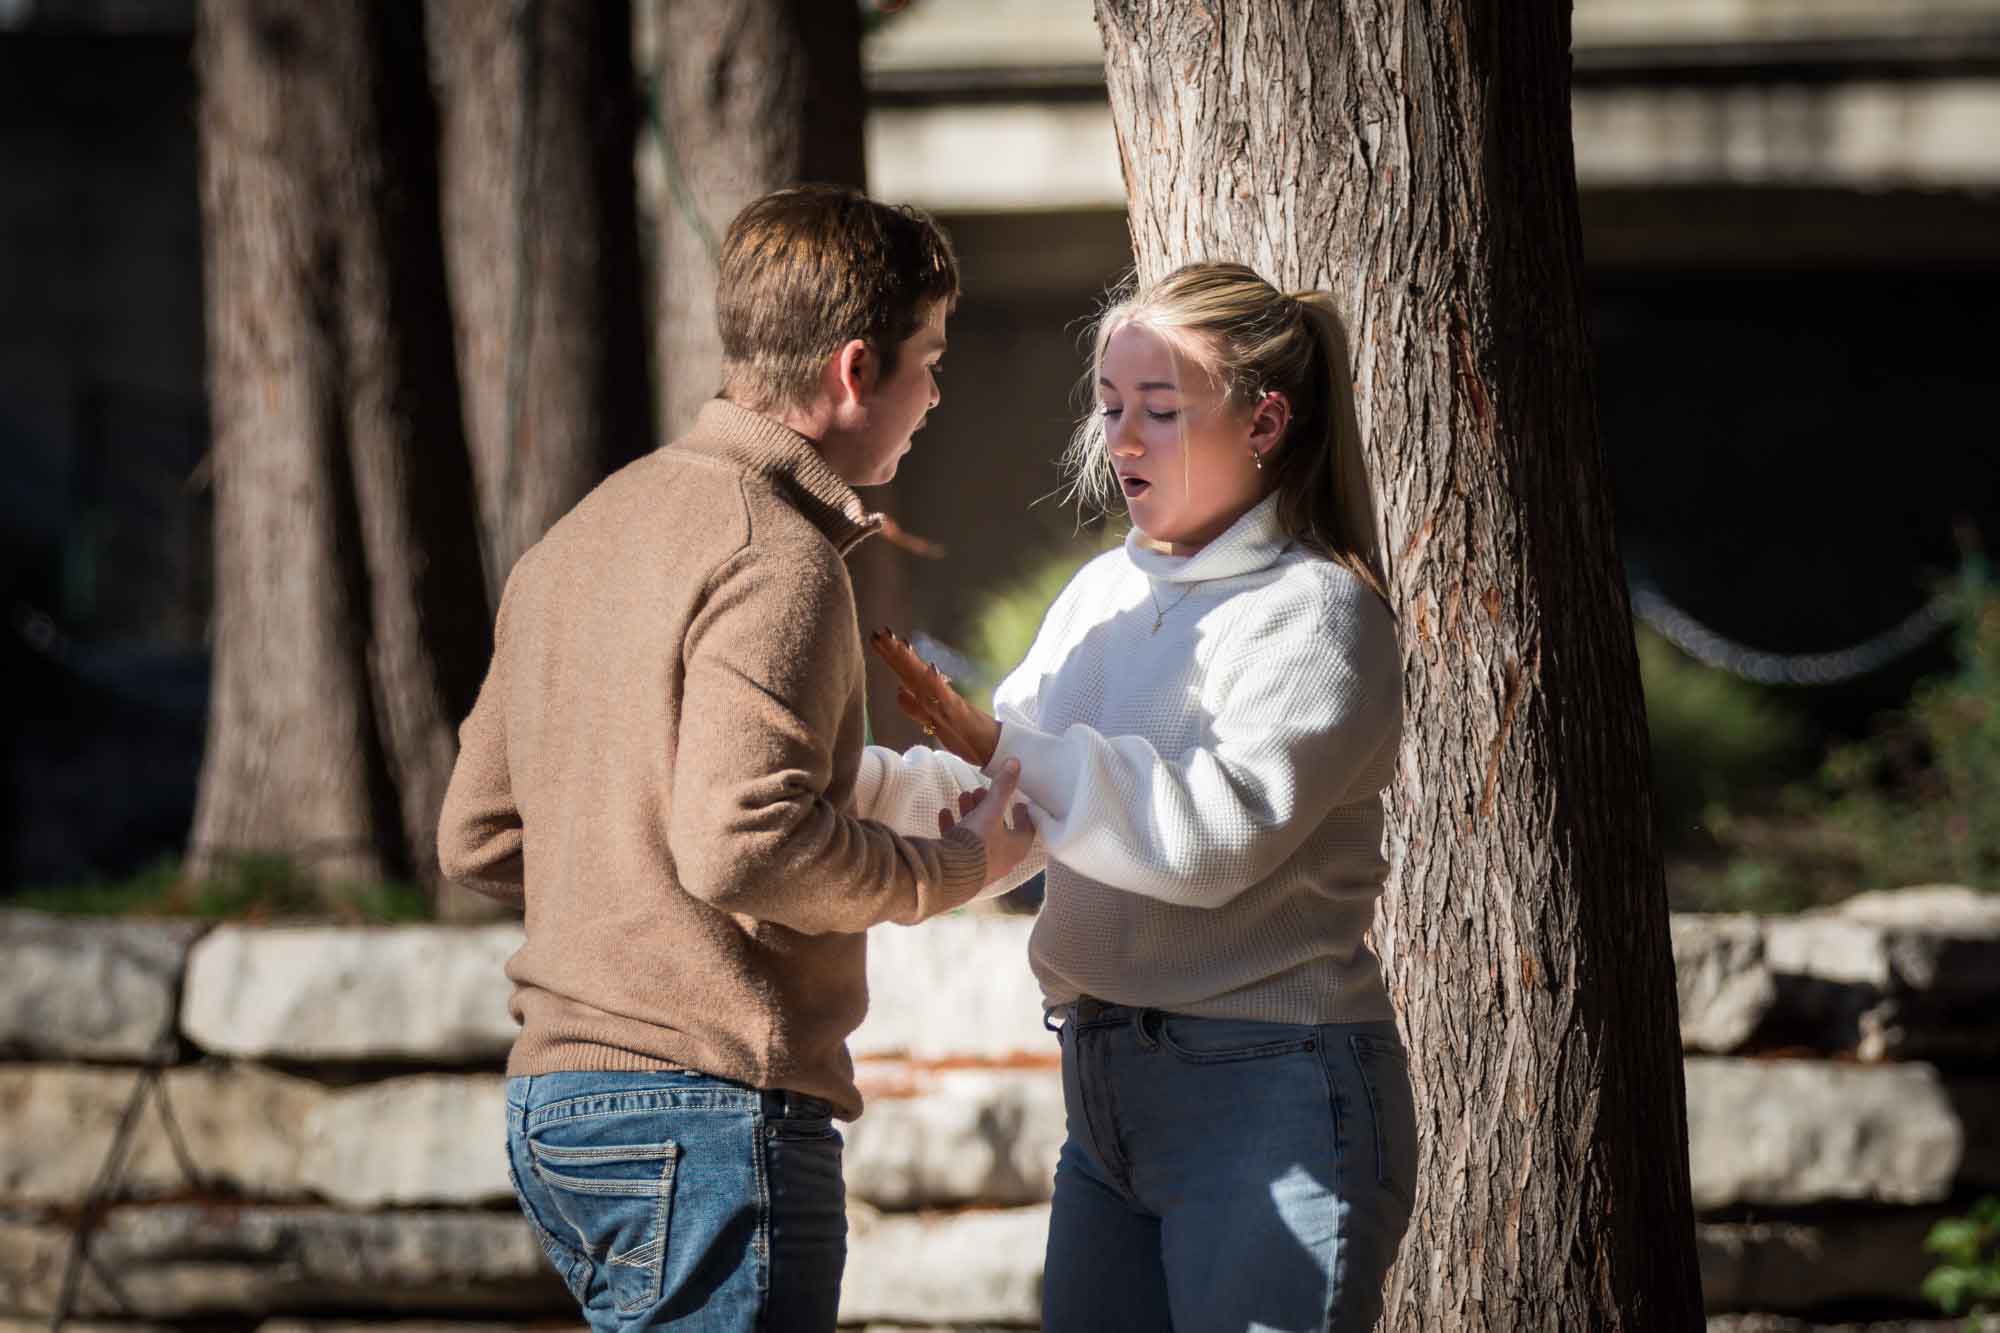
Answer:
(1011, 767)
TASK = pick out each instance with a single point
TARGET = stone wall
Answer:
(315, 1120)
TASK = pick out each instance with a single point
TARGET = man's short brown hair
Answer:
(804, 271)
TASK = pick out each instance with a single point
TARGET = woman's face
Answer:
(1183, 454)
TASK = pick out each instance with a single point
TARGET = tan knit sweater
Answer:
(660, 769)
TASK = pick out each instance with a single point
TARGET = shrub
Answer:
(1968, 1279)
(1920, 799)
(257, 887)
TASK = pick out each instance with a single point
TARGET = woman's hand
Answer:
(925, 694)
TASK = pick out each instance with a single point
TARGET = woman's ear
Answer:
(1268, 419)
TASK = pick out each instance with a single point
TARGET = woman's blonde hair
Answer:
(1253, 339)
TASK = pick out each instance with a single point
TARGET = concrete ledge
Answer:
(952, 1138)
(406, 993)
(85, 988)
(1900, 975)
(955, 988)
(241, 1128)
(1791, 1132)
(189, 1262)
(1783, 1267)
(956, 1268)
(427, 1139)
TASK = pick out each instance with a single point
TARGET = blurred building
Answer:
(1794, 254)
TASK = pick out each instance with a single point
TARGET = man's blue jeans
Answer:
(1223, 1175)
(680, 1201)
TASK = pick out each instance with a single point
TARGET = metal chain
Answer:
(1710, 648)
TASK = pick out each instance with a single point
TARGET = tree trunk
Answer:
(751, 96)
(351, 625)
(1413, 157)
(542, 244)
(544, 263)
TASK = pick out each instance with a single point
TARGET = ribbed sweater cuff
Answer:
(962, 856)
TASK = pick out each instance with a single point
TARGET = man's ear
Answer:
(855, 367)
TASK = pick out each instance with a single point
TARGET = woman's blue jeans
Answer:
(680, 1201)
(1222, 1175)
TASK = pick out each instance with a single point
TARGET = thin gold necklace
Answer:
(1160, 616)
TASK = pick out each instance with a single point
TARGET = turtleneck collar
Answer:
(768, 448)
(1253, 542)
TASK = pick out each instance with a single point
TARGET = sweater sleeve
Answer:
(906, 791)
(479, 829)
(770, 665)
(1298, 710)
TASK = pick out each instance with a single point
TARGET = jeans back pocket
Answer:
(618, 1199)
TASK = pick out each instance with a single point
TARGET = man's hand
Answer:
(925, 694)
(983, 813)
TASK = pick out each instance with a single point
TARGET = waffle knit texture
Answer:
(1208, 796)
(660, 770)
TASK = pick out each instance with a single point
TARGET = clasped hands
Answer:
(925, 695)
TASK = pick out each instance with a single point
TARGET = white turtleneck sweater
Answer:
(1207, 792)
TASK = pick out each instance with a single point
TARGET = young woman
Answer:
(1204, 725)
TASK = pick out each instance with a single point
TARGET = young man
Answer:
(661, 769)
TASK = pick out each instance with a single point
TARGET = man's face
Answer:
(895, 405)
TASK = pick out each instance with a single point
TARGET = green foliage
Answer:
(1920, 800)
(257, 887)
(1003, 628)
(1715, 739)
(1751, 822)
(138, 894)
(1968, 1279)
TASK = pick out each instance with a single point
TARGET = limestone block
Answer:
(956, 987)
(1779, 1132)
(1828, 948)
(240, 1128)
(952, 1268)
(314, 993)
(1777, 1267)
(1726, 991)
(83, 988)
(955, 1137)
(1901, 974)
(1772, 1323)
(426, 1139)
(188, 1261)
(389, 1326)
(1951, 909)
(11, 1325)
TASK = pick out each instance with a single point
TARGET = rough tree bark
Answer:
(351, 622)
(751, 96)
(1414, 157)
(549, 257)
(541, 242)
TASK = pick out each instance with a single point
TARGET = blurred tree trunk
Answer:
(752, 96)
(1414, 157)
(351, 622)
(541, 241)
(567, 283)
